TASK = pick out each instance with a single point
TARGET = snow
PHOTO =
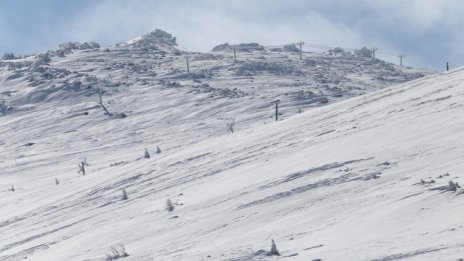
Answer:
(336, 182)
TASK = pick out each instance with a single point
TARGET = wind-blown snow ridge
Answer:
(365, 178)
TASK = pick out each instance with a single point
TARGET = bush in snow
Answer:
(57, 182)
(117, 252)
(12, 189)
(158, 150)
(169, 205)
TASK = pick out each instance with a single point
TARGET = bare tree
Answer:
(100, 94)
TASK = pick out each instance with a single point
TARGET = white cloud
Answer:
(418, 16)
(427, 29)
(203, 24)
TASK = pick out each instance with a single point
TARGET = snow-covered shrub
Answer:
(121, 115)
(42, 59)
(244, 47)
(291, 48)
(274, 251)
(4, 108)
(68, 47)
(169, 205)
(147, 154)
(124, 195)
(117, 252)
(158, 150)
(250, 68)
(453, 186)
(337, 52)
(151, 41)
(364, 52)
(424, 182)
(222, 47)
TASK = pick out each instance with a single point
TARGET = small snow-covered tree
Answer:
(169, 205)
(453, 186)
(291, 48)
(12, 188)
(117, 252)
(274, 251)
(124, 195)
(364, 52)
(43, 59)
(147, 154)
(158, 150)
(57, 182)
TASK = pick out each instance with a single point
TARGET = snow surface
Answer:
(351, 180)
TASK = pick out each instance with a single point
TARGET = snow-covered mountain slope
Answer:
(351, 180)
(258, 76)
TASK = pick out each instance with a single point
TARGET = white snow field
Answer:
(373, 177)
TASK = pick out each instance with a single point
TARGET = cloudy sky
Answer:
(429, 32)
